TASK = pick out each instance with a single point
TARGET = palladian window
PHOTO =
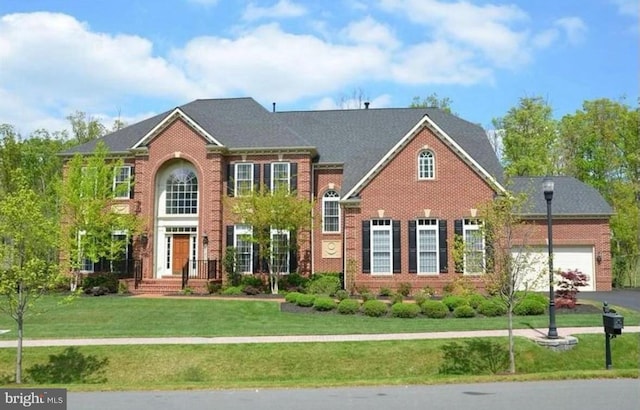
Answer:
(182, 192)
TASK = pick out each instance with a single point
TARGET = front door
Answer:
(180, 253)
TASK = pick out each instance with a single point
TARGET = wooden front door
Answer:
(180, 253)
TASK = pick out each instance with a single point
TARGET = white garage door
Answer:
(564, 258)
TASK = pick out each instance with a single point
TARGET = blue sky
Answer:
(134, 58)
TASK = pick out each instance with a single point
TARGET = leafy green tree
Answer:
(278, 211)
(601, 146)
(89, 220)
(86, 128)
(432, 100)
(509, 258)
(28, 269)
(529, 138)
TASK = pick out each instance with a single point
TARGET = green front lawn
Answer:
(176, 367)
(121, 316)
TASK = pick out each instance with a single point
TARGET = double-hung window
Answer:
(474, 247)
(427, 246)
(381, 246)
(244, 248)
(86, 265)
(280, 251)
(243, 179)
(280, 175)
(121, 182)
(330, 212)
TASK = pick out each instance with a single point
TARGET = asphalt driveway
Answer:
(628, 298)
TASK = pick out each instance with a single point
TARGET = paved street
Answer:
(615, 394)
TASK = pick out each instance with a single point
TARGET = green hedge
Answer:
(529, 307)
(305, 300)
(405, 310)
(374, 308)
(454, 301)
(434, 309)
(464, 311)
(348, 307)
(292, 297)
(492, 308)
(324, 303)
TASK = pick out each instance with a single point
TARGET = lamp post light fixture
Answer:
(547, 188)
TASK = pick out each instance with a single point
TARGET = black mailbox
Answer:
(613, 323)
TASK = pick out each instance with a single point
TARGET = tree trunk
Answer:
(20, 322)
(512, 355)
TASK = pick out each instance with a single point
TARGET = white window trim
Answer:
(287, 255)
(236, 179)
(242, 230)
(273, 178)
(473, 225)
(116, 171)
(326, 199)
(83, 263)
(433, 165)
(378, 225)
(427, 225)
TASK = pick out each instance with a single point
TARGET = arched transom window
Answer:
(426, 165)
(330, 211)
(182, 192)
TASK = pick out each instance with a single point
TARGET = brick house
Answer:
(392, 187)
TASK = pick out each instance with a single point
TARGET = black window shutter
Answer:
(230, 176)
(442, 246)
(366, 247)
(397, 252)
(131, 182)
(267, 177)
(256, 258)
(489, 254)
(457, 230)
(230, 235)
(293, 252)
(293, 177)
(256, 176)
(413, 251)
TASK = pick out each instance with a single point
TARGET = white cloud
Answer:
(627, 7)
(489, 31)
(573, 27)
(268, 63)
(369, 31)
(282, 9)
(206, 3)
(545, 38)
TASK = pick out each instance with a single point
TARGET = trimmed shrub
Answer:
(434, 309)
(464, 311)
(454, 301)
(396, 298)
(374, 308)
(253, 281)
(475, 300)
(366, 296)
(529, 307)
(324, 285)
(342, 294)
(385, 292)
(232, 291)
(404, 288)
(108, 281)
(292, 297)
(324, 303)
(305, 300)
(405, 310)
(492, 308)
(541, 298)
(293, 281)
(348, 307)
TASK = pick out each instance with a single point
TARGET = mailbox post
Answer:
(613, 324)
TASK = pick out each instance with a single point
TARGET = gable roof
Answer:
(571, 197)
(360, 139)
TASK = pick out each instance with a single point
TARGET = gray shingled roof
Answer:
(571, 197)
(360, 138)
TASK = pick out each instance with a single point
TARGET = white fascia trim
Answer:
(439, 132)
(177, 113)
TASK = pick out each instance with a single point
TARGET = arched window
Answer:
(330, 212)
(182, 192)
(426, 165)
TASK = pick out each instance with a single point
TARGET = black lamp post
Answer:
(547, 188)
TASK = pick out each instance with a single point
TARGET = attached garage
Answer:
(565, 258)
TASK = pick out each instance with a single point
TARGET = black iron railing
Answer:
(199, 269)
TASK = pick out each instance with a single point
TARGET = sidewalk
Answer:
(529, 333)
